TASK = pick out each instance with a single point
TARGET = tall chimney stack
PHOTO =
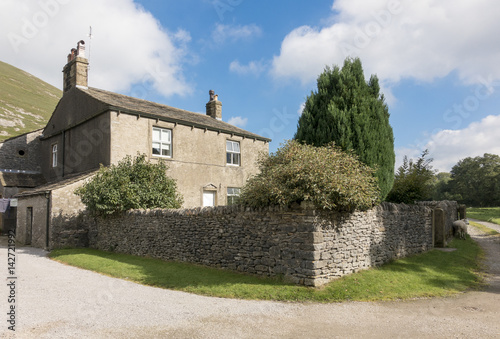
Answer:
(214, 106)
(76, 70)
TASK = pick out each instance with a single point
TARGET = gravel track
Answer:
(59, 301)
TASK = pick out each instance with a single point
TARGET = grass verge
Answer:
(431, 274)
(490, 214)
(486, 230)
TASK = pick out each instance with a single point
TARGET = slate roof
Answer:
(55, 184)
(153, 110)
(19, 179)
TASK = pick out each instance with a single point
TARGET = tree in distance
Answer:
(414, 181)
(351, 112)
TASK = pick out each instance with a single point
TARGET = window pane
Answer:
(236, 147)
(229, 146)
(165, 135)
(165, 150)
(228, 158)
(236, 159)
(156, 148)
(156, 134)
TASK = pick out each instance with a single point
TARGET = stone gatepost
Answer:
(462, 211)
(439, 227)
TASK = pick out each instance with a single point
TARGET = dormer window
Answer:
(54, 155)
(162, 142)
(233, 153)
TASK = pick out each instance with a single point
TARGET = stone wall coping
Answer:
(296, 208)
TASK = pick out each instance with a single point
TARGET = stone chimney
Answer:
(214, 106)
(76, 70)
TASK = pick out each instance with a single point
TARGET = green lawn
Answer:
(434, 273)
(491, 214)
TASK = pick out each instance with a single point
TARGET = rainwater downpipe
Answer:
(47, 195)
(63, 151)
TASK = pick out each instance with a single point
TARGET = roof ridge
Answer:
(161, 111)
(139, 99)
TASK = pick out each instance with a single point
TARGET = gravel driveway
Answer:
(59, 301)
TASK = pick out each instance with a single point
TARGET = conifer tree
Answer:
(351, 112)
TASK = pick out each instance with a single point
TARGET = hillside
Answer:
(26, 102)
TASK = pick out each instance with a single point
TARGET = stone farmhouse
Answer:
(210, 159)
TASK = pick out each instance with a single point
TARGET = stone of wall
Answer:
(450, 209)
(350, 242)
(306, 246)
(71, 231)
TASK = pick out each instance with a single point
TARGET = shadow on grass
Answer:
(156, 272)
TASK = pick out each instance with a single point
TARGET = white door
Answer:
(208, 198)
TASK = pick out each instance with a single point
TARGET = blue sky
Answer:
(437, 61)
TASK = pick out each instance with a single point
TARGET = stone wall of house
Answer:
(195, 169)
(69, 226)
(305, 246)
(32, 220)
(21, 152)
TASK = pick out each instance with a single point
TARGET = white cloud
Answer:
(447, 147)
(129, 46)
(253, 67)
(301, 108)
(222, 32)
(398, 39)
(238, 121)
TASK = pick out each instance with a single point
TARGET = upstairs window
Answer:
(233, 153)
(54, 155)
(162, 142)
(233, 195)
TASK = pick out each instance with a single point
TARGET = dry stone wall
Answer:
(305, 246)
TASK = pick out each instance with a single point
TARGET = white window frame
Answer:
(54, 155)
(163, 142)
(233, 153)
(233, 193)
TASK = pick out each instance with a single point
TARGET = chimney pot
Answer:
(80, 52)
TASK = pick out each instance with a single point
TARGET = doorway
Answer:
(208, 198)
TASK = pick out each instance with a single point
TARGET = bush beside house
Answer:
(131, 184)
(324, 176)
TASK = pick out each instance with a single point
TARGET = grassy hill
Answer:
(26, 102)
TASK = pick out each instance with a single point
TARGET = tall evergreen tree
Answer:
(351, 112)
